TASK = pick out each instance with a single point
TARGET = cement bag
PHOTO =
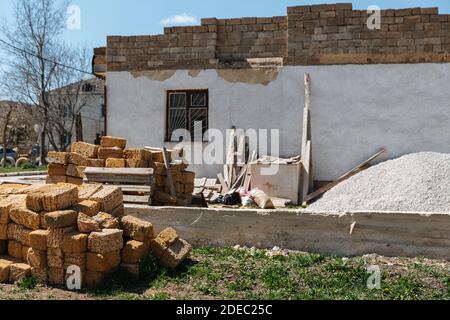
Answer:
(262, 199)
(247, 201)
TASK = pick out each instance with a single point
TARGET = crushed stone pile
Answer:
(418, 182)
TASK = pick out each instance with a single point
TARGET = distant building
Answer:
(91, 102)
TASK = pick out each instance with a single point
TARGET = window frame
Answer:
(187, 110)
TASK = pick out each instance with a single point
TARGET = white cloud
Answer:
(183, 18)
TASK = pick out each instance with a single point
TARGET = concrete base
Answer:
(348, 234)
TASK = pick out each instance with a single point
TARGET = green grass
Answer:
(22, 169)
(231, 274)
(27, 283)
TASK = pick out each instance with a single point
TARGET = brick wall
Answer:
(336, 34)
(308, 35)
(244, 38)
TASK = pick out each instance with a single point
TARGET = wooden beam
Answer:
(241, 175)
(306, 167)
(225, 188)
(306, 173)
(361, 167)
(169, 173)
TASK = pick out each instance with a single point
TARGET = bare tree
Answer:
(34, 46)
(7, 109)
(67, 100)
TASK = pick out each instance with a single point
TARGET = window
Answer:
(188, 110)
(87, 87)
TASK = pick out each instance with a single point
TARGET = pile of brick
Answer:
(69, 166)
(47, 230)
(112, 153)
(183, 182)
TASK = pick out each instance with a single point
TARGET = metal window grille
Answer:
(188, 110)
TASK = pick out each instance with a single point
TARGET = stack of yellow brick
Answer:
(183, 182)
(47, 230)
(69, 167)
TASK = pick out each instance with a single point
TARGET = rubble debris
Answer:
(169, 248)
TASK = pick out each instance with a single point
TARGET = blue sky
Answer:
(100, 18)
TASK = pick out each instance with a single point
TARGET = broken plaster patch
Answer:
(158, 75)
(249, 76)
(194, 73)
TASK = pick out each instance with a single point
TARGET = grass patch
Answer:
(25, 168)
(28, 283)
(243, 274)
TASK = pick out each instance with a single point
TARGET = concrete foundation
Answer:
(349, 234)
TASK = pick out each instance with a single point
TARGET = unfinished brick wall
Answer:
(177, 47)
(308, 35)
(336, 34)
(245, 38)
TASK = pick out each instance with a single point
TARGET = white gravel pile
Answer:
(418, 182)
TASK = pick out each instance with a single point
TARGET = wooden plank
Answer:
(169, 173)
(197, 191)
(248, 177)
(210, 183)
(231, 150)
(135, 190)
(241, 150)
(231, 157)
(241, 177)
(306, 114)
(363, 166)
(207, 193)
(136, 199)
(305, 167)
(215, 196)
(120, 180)
(225, 188)
(199, 182)
(306, 147)
(203, 182)
(120, 171)
(226, 175)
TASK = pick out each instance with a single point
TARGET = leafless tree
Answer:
(67, 100)
(38, 57)
(6, 118)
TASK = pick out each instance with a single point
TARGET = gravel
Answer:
(418, 182)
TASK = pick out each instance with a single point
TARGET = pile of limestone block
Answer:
(112, 153)
(69, 166)
(47, 230)
(183, 182)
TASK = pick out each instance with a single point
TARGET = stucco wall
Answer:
(356, 109)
